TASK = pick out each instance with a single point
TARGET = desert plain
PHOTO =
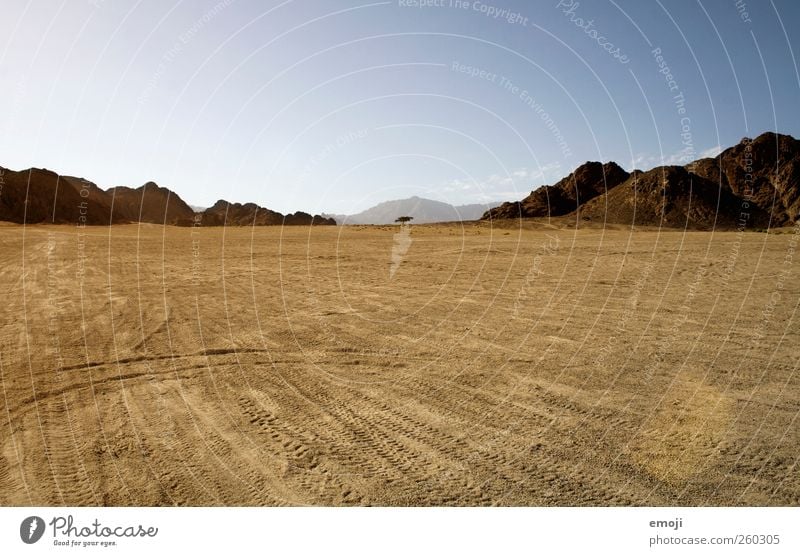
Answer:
(462, 364)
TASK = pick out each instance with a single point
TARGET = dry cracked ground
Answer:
(441, 365)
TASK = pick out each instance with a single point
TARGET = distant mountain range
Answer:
(753, 184)
(41, 196)
(423, 211)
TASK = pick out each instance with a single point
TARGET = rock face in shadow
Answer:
(150, 203)
(38, 196)
(300, 218)
(672, 197)
(753, 184)
(587, 182)
(224, 213)
(764, 172)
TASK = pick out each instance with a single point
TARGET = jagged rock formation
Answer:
(753, 184)
(300, 218)
(672, 197)
(224, 213)
(38, 196)
(764, 171)
(150, 203)
(585, 183)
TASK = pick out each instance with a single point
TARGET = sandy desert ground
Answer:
(148, 365)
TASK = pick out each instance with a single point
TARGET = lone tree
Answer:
(404, 219)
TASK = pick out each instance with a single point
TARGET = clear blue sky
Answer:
(335, 105)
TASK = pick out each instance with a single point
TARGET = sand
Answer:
(150, 365)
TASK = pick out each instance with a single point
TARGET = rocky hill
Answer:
(150, 203)
(764, 171)
(39, 196)
(671, 197)
(423, 211)
(301, 218)
(755, 184)
(224, 213)
(585, 183)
